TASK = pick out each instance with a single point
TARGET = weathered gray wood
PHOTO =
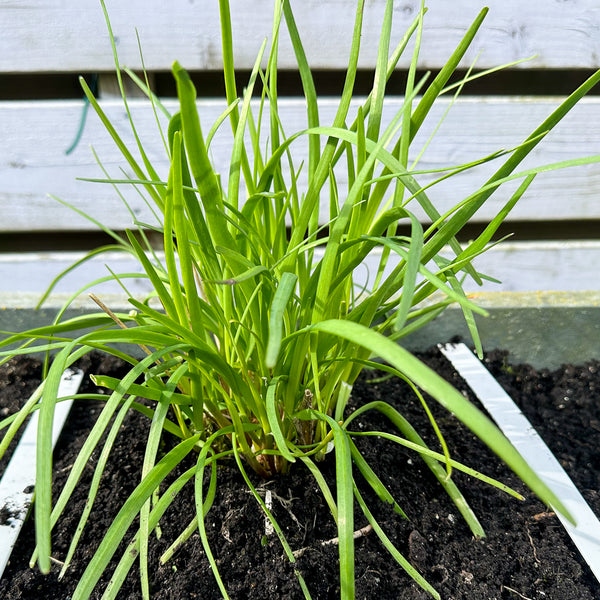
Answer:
(73, 39)
(520, 267)
(73, 35)
(33, 161)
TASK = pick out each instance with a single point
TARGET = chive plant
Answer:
(256, 330)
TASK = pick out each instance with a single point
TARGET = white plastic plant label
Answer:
(17, 484)
(516, 427)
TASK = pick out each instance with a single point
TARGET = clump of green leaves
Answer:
(257, 329)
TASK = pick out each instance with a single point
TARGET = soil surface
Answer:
(526, 554)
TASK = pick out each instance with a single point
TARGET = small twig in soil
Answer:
(537, 560)
(543, 515)
(357, 534)
(269, 495)
(269, 530)
(505, 587)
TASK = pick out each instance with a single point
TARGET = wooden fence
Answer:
(45, 44)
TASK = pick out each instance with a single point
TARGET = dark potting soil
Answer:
(18, 380)
(526, 554)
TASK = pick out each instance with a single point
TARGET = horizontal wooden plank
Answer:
(520, 267)
(35, 136)
(73, 36)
